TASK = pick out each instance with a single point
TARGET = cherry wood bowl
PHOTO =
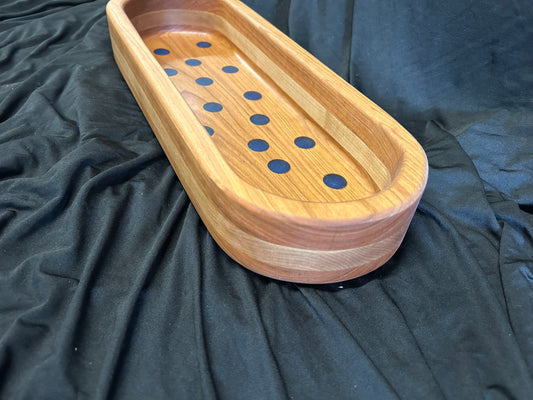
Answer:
(296, 174)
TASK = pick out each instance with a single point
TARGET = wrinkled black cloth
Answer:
(111, 286)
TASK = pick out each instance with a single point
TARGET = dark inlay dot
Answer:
(335, 181)
(171, 71)
(279, 166)
(258, 145)
(212, 107)
(161, 52)
(304, 142)
(209, 130)
(251, 95)
(203, 45)
(204, 81)
(193, 62)
(259, 119)
(230, 69)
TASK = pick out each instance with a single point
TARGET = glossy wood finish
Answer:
(233, 129)
(287, 220)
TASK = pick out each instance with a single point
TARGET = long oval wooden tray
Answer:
(295, 173)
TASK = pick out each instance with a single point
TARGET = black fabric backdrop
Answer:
(111, 287)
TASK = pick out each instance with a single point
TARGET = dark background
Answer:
(111, 287)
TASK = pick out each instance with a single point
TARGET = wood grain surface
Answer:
(296, 174)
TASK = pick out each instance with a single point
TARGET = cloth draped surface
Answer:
(111, 286)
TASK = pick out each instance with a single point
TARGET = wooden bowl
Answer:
(296, 174)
